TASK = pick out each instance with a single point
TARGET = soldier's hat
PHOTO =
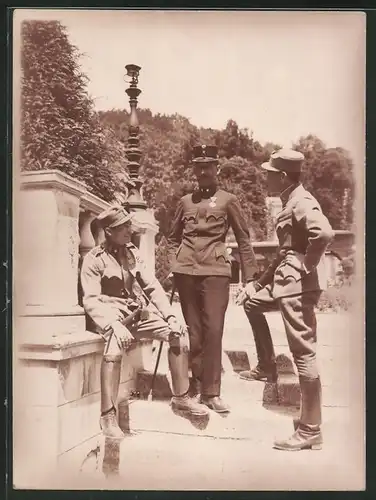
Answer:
(204, 154)
(114, 216)
(284, 160)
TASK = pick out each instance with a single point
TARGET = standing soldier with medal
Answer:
(202, 270)
(292, 284)
(124, 301)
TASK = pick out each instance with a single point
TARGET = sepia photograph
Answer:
(188, 250)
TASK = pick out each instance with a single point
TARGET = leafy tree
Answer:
(242, 178)
(60, 129)
(328, 174)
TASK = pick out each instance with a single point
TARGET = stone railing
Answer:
(56, 360)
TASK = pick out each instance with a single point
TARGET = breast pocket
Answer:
(189, 220)
(287, 274)
(222, 255)
(190, 216)
(216, 215)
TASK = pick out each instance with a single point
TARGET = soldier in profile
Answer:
(292, 284)
(125, 301)
(201, 268)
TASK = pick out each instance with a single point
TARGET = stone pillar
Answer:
(145, 223)
(274, 206)
(46, 243)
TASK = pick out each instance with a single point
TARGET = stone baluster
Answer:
(87, 240)
(147, 228)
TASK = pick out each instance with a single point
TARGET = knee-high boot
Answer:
(178, 364)
(266, 366)
(308, 433)
(110, 381)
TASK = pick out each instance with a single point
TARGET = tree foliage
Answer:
(60, 129)
(167, 143)
(329, 174)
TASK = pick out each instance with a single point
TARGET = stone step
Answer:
(332, 361)
(336, 387)
(286, 392)
(244, 422)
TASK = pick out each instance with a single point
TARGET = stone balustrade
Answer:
(56, 360)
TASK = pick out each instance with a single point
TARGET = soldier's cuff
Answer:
(307, 269)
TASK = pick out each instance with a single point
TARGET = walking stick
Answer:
(150, 395)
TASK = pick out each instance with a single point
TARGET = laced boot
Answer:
(266, 368)
(258, 373)
(178, 363)
(215, 403)
(307, 433)
(187, 404)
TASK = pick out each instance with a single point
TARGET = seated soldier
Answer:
(125, 301)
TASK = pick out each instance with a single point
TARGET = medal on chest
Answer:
(213, 200)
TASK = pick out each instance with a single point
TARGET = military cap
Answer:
(204, 154)
(114, 216)
(284, 160)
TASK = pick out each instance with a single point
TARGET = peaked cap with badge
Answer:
(202, 270)
(205, 154)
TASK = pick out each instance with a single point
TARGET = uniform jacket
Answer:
(111, 292)
(196, 243)
(302, 229)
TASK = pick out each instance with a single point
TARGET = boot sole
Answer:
(313, 447)
(261, 379)
(216, 411)
(220, 411)
(253, 379)
(189, 412)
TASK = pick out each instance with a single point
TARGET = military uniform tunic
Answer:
(304, 232)
(114, 286)
(198, 235)
(202, 271)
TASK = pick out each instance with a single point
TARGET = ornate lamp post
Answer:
(135, 201)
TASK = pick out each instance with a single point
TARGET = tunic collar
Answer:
(290, 192)
(114, 249)
(206, 193)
